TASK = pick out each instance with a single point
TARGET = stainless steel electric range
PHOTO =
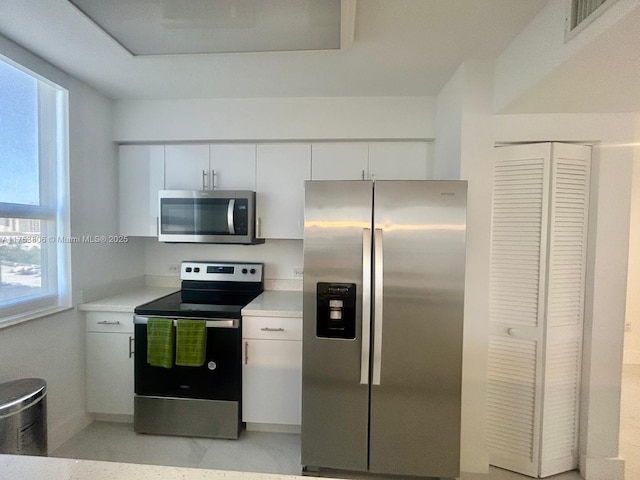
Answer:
(202, 401)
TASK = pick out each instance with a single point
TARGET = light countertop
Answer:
(275, 303)
(24, 467)
(127, 302)
(271, 303)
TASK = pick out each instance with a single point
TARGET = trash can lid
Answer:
(16, 394)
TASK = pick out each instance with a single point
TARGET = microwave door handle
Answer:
(230, 209)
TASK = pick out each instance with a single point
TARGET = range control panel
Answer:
(221, 271)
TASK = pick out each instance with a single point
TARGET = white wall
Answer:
(274, 119)
(449, 128)
(53, 347)
(541, 47)
(606, 271)
(280, 257)
(463, 150)
(632, 336)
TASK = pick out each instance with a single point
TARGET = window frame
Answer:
(53, 208)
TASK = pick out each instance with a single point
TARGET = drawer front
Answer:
(109, 322)
(272, 328)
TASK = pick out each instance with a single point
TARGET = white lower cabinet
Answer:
(272, 372)
(110, 363)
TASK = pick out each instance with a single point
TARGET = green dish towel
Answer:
(160, 341)
(191, 342)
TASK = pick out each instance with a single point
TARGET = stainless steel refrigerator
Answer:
(383, 317)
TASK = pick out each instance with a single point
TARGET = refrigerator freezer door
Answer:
(335, 411)
(415, 408)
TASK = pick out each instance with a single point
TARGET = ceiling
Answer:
(400, 47)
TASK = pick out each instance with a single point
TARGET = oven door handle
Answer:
(211, 323)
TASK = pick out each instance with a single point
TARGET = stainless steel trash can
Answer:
(23, 417)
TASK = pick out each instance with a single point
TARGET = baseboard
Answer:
(60, 434)
(602, 468)
(272, 427)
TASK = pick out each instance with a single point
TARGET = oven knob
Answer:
(244, 270)
(252, 271)
(196, 269)
(211, 365)
(188, 269)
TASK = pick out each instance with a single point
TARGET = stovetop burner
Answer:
(209, 290)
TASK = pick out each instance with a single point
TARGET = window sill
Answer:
(33, 315)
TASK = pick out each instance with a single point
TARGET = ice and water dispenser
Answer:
(336, 310)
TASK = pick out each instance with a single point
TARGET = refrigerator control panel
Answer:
(336, 310)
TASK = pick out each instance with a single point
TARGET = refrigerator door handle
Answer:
(366, 306)
(377, 307)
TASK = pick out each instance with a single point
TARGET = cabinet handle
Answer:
(107, 322)
(204, 179)
(131, 351)
(157, 226)
(259, 234)
(267, 329)
(362, 174)
(213, 179)
(246, 353)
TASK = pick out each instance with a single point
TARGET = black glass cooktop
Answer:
(173, 306)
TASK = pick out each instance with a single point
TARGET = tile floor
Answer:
(280, 452)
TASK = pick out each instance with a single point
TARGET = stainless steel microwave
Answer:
(207, 216)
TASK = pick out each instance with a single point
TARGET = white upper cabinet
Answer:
(339, 161)
(211, 167)
(370, 161)
(281, 170)
(141, 177)
(233, 166)
(398, 161)
(186, 167)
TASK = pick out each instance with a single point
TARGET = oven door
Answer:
(218, 379)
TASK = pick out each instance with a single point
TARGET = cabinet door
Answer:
(109, 373)
(339, 161)
(281, 170)
(141, 176)
(398, 161)
(272, 382)
(184, 166)
(234, 166)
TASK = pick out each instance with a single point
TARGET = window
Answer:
(34, 209)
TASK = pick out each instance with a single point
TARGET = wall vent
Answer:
(583, 10)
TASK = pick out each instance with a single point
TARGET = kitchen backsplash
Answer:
(269, 283)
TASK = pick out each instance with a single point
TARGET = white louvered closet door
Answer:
(538, 250)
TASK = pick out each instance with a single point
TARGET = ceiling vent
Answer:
(584, 11)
